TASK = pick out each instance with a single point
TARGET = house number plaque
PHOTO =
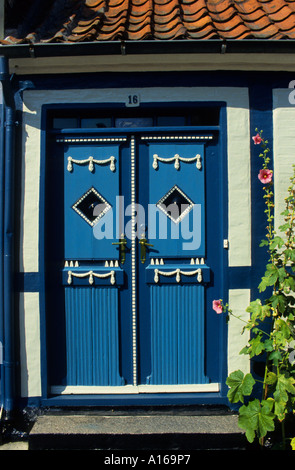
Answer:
(132, 101)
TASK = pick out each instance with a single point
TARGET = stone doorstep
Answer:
(84, 424)
(162, 431)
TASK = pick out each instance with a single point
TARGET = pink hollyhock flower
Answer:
(217, 306)
(265, 176)
(257, 139)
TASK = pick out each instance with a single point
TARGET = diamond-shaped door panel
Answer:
(175, 204)
(91, 206)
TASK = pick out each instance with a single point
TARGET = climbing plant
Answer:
(271, 324)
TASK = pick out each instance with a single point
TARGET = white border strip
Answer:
(239, 299)
(29, 335)
(134, 389)
(283, 147)
(133, 260)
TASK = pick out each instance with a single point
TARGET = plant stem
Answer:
(247, 322)
(265, 388)
(283, 435)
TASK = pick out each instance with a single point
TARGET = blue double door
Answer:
(128, 273)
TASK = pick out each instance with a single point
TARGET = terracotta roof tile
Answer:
(101, 20)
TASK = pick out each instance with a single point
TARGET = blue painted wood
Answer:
(92, 340)
(177, 309)
(186, 237)
(170, 344)
(177, 335)
(81, 239)
(173, 340)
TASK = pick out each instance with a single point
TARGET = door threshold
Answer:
(134, 389)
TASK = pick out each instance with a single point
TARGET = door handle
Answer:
(143, 244)
(122, 248)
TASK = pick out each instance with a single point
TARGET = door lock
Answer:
(143, 244)
(122, 248)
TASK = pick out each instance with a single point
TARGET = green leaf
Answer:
(285, 212)
(282, 274)
(268, 345)
(289, 254)
(258, 311)
(257, 418)
(293, 443)
(275, 357)
(245, 350)
(281, 332)
(265, 311)
(254, 307)
(284, 227)
(284, 386)
(276, 242)
(280, 408)
(271, 378)
(256, 346)
(240, 385)
(290, 282)
(264, 243)
(270, 277)
(263, 284)
(279, 301)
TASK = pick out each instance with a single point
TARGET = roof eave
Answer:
(217, 46)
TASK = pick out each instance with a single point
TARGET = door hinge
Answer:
(226, 243)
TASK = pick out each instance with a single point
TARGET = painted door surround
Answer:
(237, 111)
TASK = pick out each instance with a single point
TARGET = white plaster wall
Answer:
(152, 63)
(239, 300)
(30, 360)
(239, 188)
(283, 147)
